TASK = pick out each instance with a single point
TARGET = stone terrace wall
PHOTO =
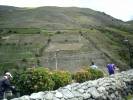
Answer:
(114, 87)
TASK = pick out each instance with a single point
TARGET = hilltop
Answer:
(68, 37)
(55, 18)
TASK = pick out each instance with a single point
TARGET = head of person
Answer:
(8, 75)
(92, 63)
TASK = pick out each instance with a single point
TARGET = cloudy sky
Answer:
(121, 9)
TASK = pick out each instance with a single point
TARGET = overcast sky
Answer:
(121, 9)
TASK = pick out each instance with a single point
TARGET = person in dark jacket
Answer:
(5, 84)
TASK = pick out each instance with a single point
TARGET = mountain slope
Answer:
(130, 22)
(68, 37)
(55, 17)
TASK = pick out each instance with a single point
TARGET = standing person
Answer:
(5, 84)
(93, 65)
(111, 68)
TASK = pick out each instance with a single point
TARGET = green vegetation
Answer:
(20, 50)
(87, 74)
(7, 31)
(129, 97)
(30, 37)
(26, 35)
(61, 78)
(12, 57)
(41, 79)
(81, 76)
(54, 18)
(33, 80)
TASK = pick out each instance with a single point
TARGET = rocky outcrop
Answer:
(114, 87)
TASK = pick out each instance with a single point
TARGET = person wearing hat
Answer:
(5, 84)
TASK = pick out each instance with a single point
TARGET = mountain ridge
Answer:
(55, 17)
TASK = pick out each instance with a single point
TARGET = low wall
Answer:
(114, 87)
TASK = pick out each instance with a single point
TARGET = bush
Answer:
(61, 78)
(33, 80)
(95, 73)
(81, 76)
(87, 74)
(41, 79)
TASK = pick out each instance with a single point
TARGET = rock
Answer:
(80, 98)
(73, 99)
(101, 89)
(104, 97)
(86, 96)
(93, 91)
(113, 96)
(55, 98)
(24, 98)
(38, 95)
(67, 94)
(49, 96)
(116, 93)
(92, 84)
(106, 84)
(14, 99)
(76, 94)
(74, 84)
(68, 87)
(81, 90)
(62, 99)
(95, 95)
(58, 95)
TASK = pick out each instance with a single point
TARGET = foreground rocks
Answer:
(114, 87)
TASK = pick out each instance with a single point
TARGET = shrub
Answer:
(61, 78)
(33, 80)
(87, 74)
(95, 73)
(58, 32)
(81, 76)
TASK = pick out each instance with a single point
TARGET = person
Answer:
(5, 84)
(111, 68)
(93, 65)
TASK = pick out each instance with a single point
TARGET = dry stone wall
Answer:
(114, 87)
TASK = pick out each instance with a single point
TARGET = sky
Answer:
(120, 9)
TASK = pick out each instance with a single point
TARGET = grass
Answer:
(20, 30)
(129, 97)
(94, 41)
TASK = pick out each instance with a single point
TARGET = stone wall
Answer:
(114, 87)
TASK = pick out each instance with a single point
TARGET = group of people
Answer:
(110, 67)
(5, 85)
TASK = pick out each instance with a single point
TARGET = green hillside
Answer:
(69, 38)
(130, 22)
(55, 17)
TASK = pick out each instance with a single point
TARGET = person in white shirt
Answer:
(93, 65)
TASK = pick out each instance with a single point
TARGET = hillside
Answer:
(55, 18)
(130, 22)
(67, 38)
